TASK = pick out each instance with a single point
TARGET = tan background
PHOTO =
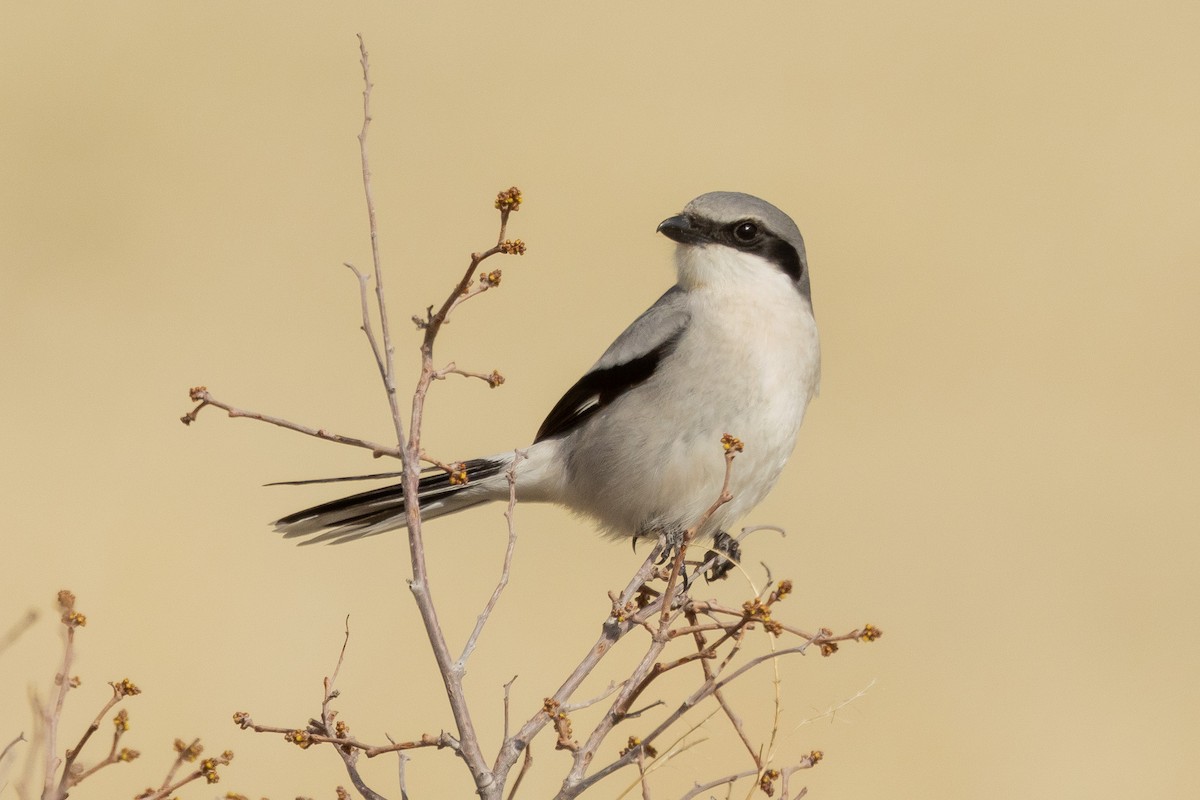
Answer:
(1000, 203)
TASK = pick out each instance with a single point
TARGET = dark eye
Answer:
(745, 231)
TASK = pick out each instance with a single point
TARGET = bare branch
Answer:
(526, 763)
(734, 719)
(492, 379)
(505, 570)
(206, 770)
(121, 690)
(63, 683)
(348, 754)
(201, 395)
(20, 737)
(574, 788)
(701, 788)
(366, 327)
(388, 371)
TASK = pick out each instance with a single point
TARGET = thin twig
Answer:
(348, 753)
(834, 709)
(785, 779)
(734, 719)
(680, 745)
(505, 569)
(441, 741)
(612, 687)
(366, 327)
(20, 737)
(701, 788)
(614, 629)
(201, 395)
(732, 448)
(119, 693)
(573, 789)
(403, 779)
(525, 765)
(507, 692)
(53, 711)
(206, 770)
(190, 752)
(388, 371)
(492, 379)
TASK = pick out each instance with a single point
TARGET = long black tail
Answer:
(379, 510)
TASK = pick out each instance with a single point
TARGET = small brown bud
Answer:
(767, 782)
(509, 199)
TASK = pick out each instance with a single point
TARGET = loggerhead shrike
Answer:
(635, 444)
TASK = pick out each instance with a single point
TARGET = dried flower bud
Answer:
(125, 688)
(869, 633)
(509, 199)
(127, 755)
(756, 609)
(512, 247)
(766, 783)
(121, 720)
(301, 739)
(732, 443)
(189, 752)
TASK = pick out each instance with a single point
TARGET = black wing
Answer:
(629, 361)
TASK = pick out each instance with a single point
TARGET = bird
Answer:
(635, 444)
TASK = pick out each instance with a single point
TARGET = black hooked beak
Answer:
(680, 229)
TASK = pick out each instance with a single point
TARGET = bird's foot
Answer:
(728, 553)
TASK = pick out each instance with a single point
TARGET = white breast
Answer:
(748, 365)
